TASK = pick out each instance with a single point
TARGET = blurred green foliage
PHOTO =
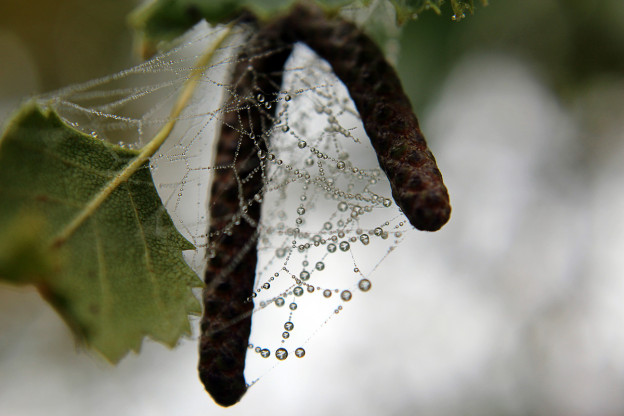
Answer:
(570, 43)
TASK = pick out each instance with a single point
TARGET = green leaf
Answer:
(114, 269)
(410, 9)
(163, 20)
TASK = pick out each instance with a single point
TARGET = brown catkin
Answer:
(386, 112)
(226, 323)
(390, 123)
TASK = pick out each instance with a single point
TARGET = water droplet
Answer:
(267, 105)
(328, 225)
(280, 252)
(344, 246)
(260, 98)
(279, 302)
(340, 165)
(300, 352)
(310, 289)
(364, 285)
(327, 293)
(387, 202)
(342, 206)
(304, 275)
(281, 354)
(265, 353)
(258, 349)
(298, 291)
(288, 326)
(287, 97)
(345, 295)
(302, 144)
(331, 248)
(292, 306)
(364, 239)
(266, 286)
(285, 128)
(285, 334)
(319, 266)
(378, 231)
(301, 210)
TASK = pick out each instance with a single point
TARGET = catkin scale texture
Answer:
(386, 112)
(234, 216)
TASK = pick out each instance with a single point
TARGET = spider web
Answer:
(328, 219)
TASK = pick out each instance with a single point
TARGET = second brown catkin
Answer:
(385, 109)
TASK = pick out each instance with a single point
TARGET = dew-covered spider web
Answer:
(328, 219)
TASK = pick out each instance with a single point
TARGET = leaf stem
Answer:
(150, 148)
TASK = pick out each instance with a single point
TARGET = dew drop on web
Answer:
(364, 285)
(281, 354)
